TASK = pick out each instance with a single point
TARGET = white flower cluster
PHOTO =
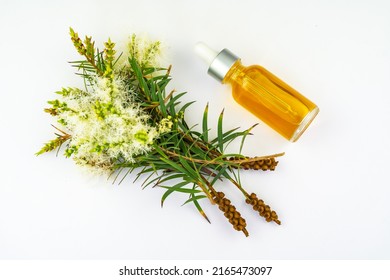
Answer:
(146, 52)
(105, 124)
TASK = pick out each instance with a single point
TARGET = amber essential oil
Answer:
(263, 94)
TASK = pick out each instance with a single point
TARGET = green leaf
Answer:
(176, 166)
(138, 73)
(185, 106)
(247, 132)
(220, 132)
(224, 135)
(129, 171)
(199, 208)
(164, 178)
(191, 171)
(194, 198)
(176, 97)
(205, 134)
(117, 59)
(162, 104)
(219, 174)
(176, 188)
(148, 179)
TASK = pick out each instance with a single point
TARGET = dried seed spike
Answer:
(230, 212)
(260, 163)
(263, 209)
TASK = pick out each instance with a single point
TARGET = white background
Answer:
(331, 189)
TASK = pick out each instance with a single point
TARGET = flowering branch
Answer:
(125, 120)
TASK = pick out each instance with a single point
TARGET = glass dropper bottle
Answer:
(260, 92)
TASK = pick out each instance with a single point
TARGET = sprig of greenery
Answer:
(181, 159)
(55, 143)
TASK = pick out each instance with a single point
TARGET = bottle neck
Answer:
(222, 64)
(235, 73)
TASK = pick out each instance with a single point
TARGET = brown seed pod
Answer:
(261, 164)
(230, 212)
(263, 209)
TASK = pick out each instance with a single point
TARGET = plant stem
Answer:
(215, 161)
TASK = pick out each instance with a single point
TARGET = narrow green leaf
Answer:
(147, 179)
(177, 167)
(247, 132)
(219, 174)
(220, 132)
(193, 198)
(190, 170)
(129, 171)
(163, 83)
(176, 97)
(205, 134)
(176, 188)
(162, 105)
(116, 60)
(169, 178)
(185, 106)
(199, 208)
(226, 134)
(141, 80)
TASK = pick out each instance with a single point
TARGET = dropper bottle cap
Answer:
(219, 63)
